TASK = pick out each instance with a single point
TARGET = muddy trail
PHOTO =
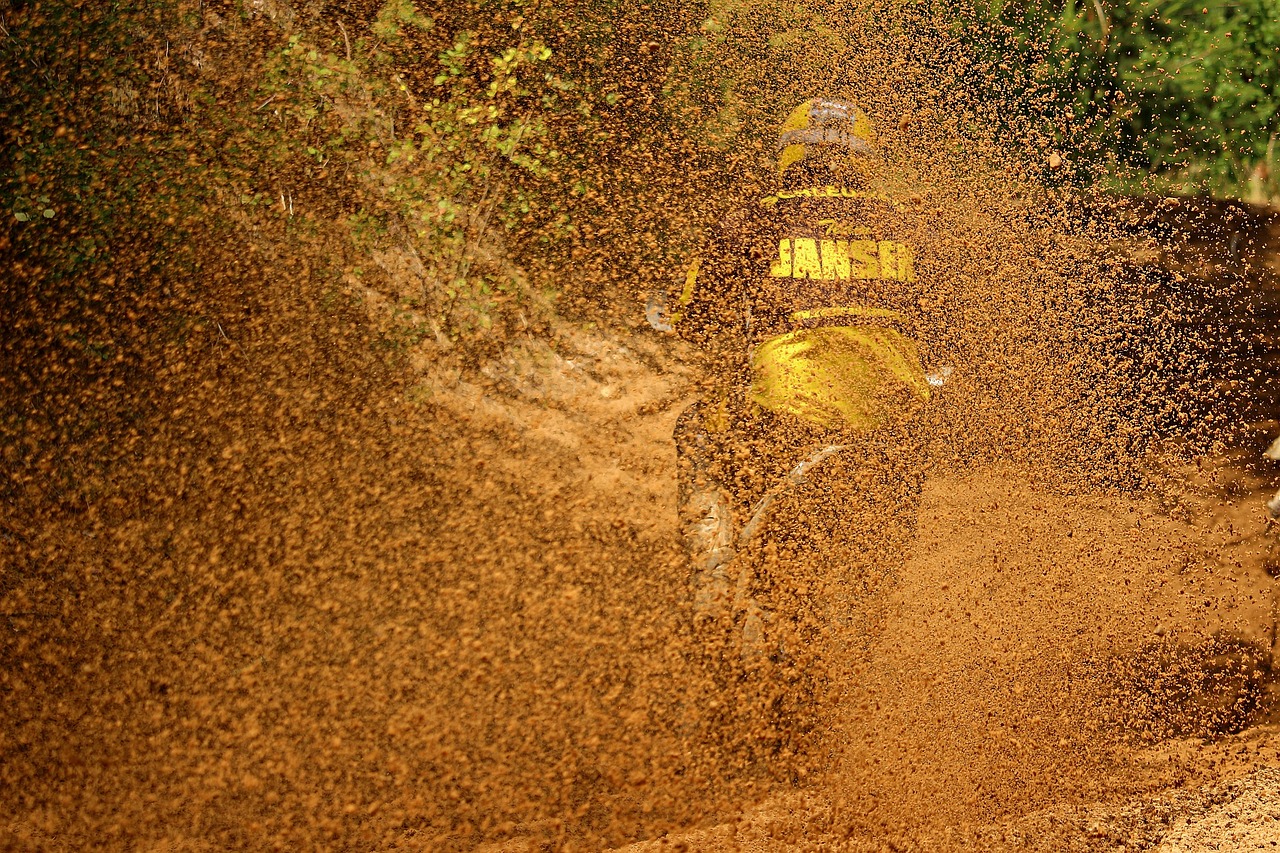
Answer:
(326, 608)
(313, 539)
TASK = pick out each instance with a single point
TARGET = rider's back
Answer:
(815, 292)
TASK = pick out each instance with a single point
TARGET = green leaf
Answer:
(21, 217)
(48, 213)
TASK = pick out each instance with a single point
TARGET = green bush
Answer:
(1180, 94)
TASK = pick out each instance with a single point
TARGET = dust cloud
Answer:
(306, 545)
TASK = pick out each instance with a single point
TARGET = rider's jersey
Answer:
(821, 288)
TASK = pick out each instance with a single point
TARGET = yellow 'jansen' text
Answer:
(843, 260)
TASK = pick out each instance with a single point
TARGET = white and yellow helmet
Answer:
(824, 123)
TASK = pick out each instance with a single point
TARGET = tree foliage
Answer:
(1181, 90)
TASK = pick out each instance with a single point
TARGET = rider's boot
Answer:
(706, 516)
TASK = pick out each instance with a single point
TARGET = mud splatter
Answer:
(314, 538)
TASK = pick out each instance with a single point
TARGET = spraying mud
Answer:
(325, 528)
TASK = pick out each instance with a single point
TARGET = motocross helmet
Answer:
(821, 127)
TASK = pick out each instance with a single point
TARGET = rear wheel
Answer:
(779, 619)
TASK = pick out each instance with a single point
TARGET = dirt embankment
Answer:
(327, 612)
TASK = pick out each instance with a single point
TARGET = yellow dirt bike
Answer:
(797, 493)
(785, 576)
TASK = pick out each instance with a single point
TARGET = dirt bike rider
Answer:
(807, 304)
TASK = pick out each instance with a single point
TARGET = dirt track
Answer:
(430, 632)
(964, 716)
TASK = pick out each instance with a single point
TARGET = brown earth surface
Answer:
(456, 610)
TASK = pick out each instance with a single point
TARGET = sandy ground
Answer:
(478, 680)
(329, 671)
(964, 709)
(970, 718)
